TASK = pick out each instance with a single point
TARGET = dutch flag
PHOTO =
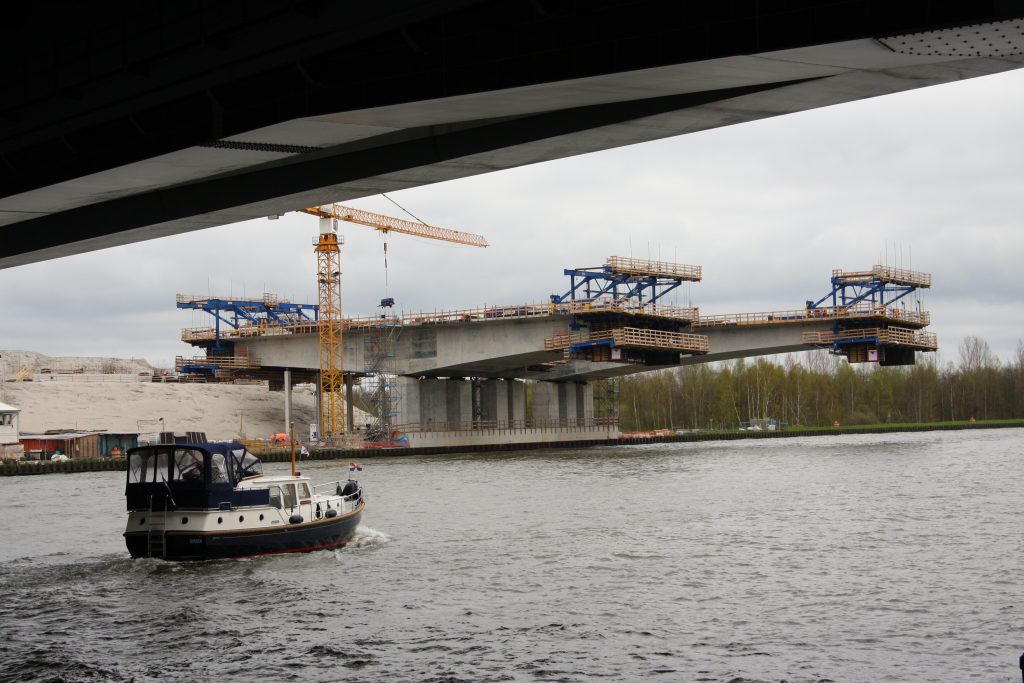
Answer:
(355, 467)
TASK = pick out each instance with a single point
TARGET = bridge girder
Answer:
(154, 119)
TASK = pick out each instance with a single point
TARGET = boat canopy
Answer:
(202, 475)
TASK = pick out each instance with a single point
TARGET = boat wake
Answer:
(365, 537)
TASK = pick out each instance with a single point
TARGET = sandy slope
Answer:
(100, 401)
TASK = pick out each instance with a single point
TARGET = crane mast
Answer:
(332, 350)
(328, 253)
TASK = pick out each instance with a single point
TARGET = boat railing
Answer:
(341, 483)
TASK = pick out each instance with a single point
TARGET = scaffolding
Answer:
(627, 279)
(606, 399)
(877, 292)
(381, 381)
(238, 314)
(881, 286)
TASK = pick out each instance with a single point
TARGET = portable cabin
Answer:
(70, 443)
(10, 441)
(116, 444)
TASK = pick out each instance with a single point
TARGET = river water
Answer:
(847, 558)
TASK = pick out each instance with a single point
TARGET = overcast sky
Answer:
(931, 179)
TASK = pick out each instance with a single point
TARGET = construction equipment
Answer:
(328, 251)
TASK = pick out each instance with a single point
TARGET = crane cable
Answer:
(384, 234)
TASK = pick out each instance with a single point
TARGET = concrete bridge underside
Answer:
(508, 349)
(143, 120)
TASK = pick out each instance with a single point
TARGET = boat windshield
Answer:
(246, 464)
(188, 466)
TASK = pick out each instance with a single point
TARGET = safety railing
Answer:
(899, 276)
(226, 362)
(666, 269)
(633, 337)
(193, 335)
(507, 425)
(889, 336)
(266, 299)
(803, 315)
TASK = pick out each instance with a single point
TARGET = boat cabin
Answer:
(192, 476)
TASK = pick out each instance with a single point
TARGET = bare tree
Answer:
(975, 355)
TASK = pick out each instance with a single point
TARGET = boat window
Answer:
(290, 500)
(139, 466)
(160, 468)
(188, 465)
(275, 496)
(218, 469)
(304, 491)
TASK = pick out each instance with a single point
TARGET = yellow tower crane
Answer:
(328, 256)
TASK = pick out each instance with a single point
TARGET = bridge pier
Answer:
(545, 402)
(433, 403)
(459, 394)
(287, 401)
(516, 402)
(494, 400)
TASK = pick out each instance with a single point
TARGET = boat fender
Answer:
(319, 512)
(295, 519)
(350, 488)
(332, 513)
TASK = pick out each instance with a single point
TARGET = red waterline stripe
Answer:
(294, 550)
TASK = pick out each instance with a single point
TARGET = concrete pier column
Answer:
(459, 402)
(567, 402)
(545, 403)
(433, 404)
(585, 402)
(349, 426)
(409, 403)
(493, 401)
(287, 401)
(516, 402)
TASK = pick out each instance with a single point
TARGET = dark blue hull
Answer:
(189, 546)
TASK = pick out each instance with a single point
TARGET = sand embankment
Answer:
(111, 394)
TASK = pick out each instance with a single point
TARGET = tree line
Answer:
(818, 389)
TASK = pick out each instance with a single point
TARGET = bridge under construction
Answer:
(531, 373)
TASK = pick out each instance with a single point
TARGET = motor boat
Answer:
(212, 501)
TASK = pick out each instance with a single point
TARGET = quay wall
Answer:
(284, 455)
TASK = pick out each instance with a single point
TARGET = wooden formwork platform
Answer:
(224, 362)
(634, 337)
(665, 269)
(897, 276)
(266, 298)
(803, 315)
(887, 336)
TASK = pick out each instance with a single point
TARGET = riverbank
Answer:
(284, 455)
